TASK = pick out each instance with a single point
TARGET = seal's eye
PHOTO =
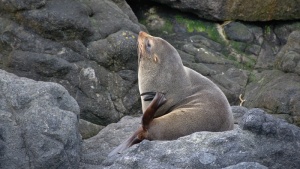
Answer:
(148, 45)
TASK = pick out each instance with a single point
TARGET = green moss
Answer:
(268, 30)
(168, 26)
(196, 25)
(238, 46)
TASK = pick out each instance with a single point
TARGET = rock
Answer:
(258, 142)
(88, 129)
(96, 149)
(283, 30)
(247, 165)
(38, 124)
(89, 47)
(238, 9)
(238, 112)
(288, 59)
(276, 92)
(58, 20)
(238, 32)
(232, 83)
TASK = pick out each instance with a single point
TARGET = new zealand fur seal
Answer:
(176, 100)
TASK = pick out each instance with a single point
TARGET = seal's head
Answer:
(158, 63)
(160, 70)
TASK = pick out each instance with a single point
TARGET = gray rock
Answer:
(283, 30)
(238, 10)
(238, 32)
(38, 124)
(247, 165)
(96, 149)
(232, 83)
(261, 141)
(238, 112)
(88, 129)
(288, 59)
(59, 20)
(89, 47)
(276, 92)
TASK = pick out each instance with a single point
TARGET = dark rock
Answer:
(89, 47)
(38, 124)
(88, 129)
(238, 10)
(59, 20)
(276, 92)
(107, 18)
(263, 141)
(238, 32)
(232, 83)
(201, 40)
(15, 5)
(288, 59)
(253, 49)
(267, 55)
(116, 52)
(283, 30)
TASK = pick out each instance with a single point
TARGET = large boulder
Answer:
(89, 47)
(288, 59)
(38, 124)
(260, 141)
(276, 92)
(246, 10)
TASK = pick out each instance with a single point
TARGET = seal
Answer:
(176, 100)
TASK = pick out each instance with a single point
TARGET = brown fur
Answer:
(193, 102)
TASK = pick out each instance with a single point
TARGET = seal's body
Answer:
(186, 101)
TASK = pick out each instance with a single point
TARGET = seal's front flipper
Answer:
(137, 137)
(148, 96)
(149, 113)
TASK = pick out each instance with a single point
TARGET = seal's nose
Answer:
(143, 34)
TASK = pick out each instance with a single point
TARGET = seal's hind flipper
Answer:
(149, 113)
(137, 137)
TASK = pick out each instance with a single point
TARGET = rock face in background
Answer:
(246, 10)
(38, 124)
(256, 62)
(259, 141)
(89, 47)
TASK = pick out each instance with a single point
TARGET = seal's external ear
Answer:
(155, 58)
